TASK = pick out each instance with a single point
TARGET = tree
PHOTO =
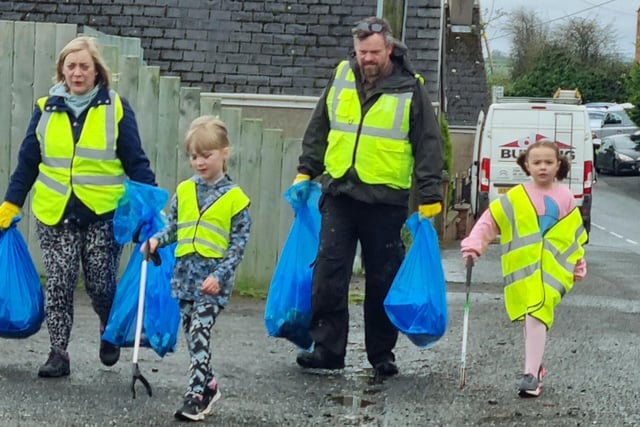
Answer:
(557, 67)
(577, 54)
(633, 86)
(528, 37)
(586, 40)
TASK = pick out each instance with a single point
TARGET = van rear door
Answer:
(474, 164)
(515, 127)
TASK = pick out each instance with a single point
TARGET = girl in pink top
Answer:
(551, 201)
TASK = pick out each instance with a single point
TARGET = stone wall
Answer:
(284, 47)
(273, 47)
(465, 82)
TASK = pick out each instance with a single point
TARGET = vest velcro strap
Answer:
(52, 184)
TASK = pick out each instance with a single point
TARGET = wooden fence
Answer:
(262, 162)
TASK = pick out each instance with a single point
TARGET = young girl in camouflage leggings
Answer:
(209, 219)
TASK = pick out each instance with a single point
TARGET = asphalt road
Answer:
(592, 360)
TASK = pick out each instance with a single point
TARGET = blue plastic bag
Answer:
(161, 310)
(417, 300)
(139, 212)
(288, 309)
(138, 217)
(21, 294)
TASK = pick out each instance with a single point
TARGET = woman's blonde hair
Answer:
(103, 75)
(207, 133)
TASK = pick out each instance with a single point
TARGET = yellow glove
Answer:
(430, 210)
(299, 191)
(7, 212)
(301, 177)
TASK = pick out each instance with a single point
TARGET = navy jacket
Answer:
(129, 150)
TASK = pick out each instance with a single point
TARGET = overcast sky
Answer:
(621, 14)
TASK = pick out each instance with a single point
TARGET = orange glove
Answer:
(7, 212)
(430, 210)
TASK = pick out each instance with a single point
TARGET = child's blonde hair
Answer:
(207, 133)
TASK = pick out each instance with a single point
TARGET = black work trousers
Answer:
(346, 221)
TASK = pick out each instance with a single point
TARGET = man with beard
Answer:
(371, 132)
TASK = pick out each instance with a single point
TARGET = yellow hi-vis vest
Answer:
(376, 145)
(206, 233)
(90, 168)
(537, 269)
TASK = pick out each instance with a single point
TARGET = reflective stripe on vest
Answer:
(90, 168)
(377, 144)
(537, 270)
(206, 232)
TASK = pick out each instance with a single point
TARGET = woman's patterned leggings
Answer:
(198, 319)
(63, 249)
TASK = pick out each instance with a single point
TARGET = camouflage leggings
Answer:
(63, 249)
(198, 319)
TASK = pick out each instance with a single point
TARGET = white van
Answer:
(509, 128)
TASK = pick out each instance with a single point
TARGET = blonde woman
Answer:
(81, 142)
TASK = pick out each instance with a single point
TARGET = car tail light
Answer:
(588, 177)
(484, 175)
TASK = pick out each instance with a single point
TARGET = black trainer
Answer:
(191, 410)
(386, 369)
(210, 396)
(109, 353)
(318, 359)
(57, 365)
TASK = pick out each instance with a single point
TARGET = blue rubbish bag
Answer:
(417, 300)
(139, 216)
(161, 310)
(21, 294)
(288, 309)
(139, 212)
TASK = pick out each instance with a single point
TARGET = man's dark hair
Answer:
(370, 26)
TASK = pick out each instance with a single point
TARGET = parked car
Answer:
(618, 154)
(609, 119)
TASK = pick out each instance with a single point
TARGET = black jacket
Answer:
(424, 136)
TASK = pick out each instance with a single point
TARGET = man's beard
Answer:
(371, 71)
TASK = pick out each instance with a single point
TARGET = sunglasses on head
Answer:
(374, 27)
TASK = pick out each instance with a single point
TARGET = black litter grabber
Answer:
(465, 325)
(136, 375)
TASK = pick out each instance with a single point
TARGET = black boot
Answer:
(319, 359)
(57, 365)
